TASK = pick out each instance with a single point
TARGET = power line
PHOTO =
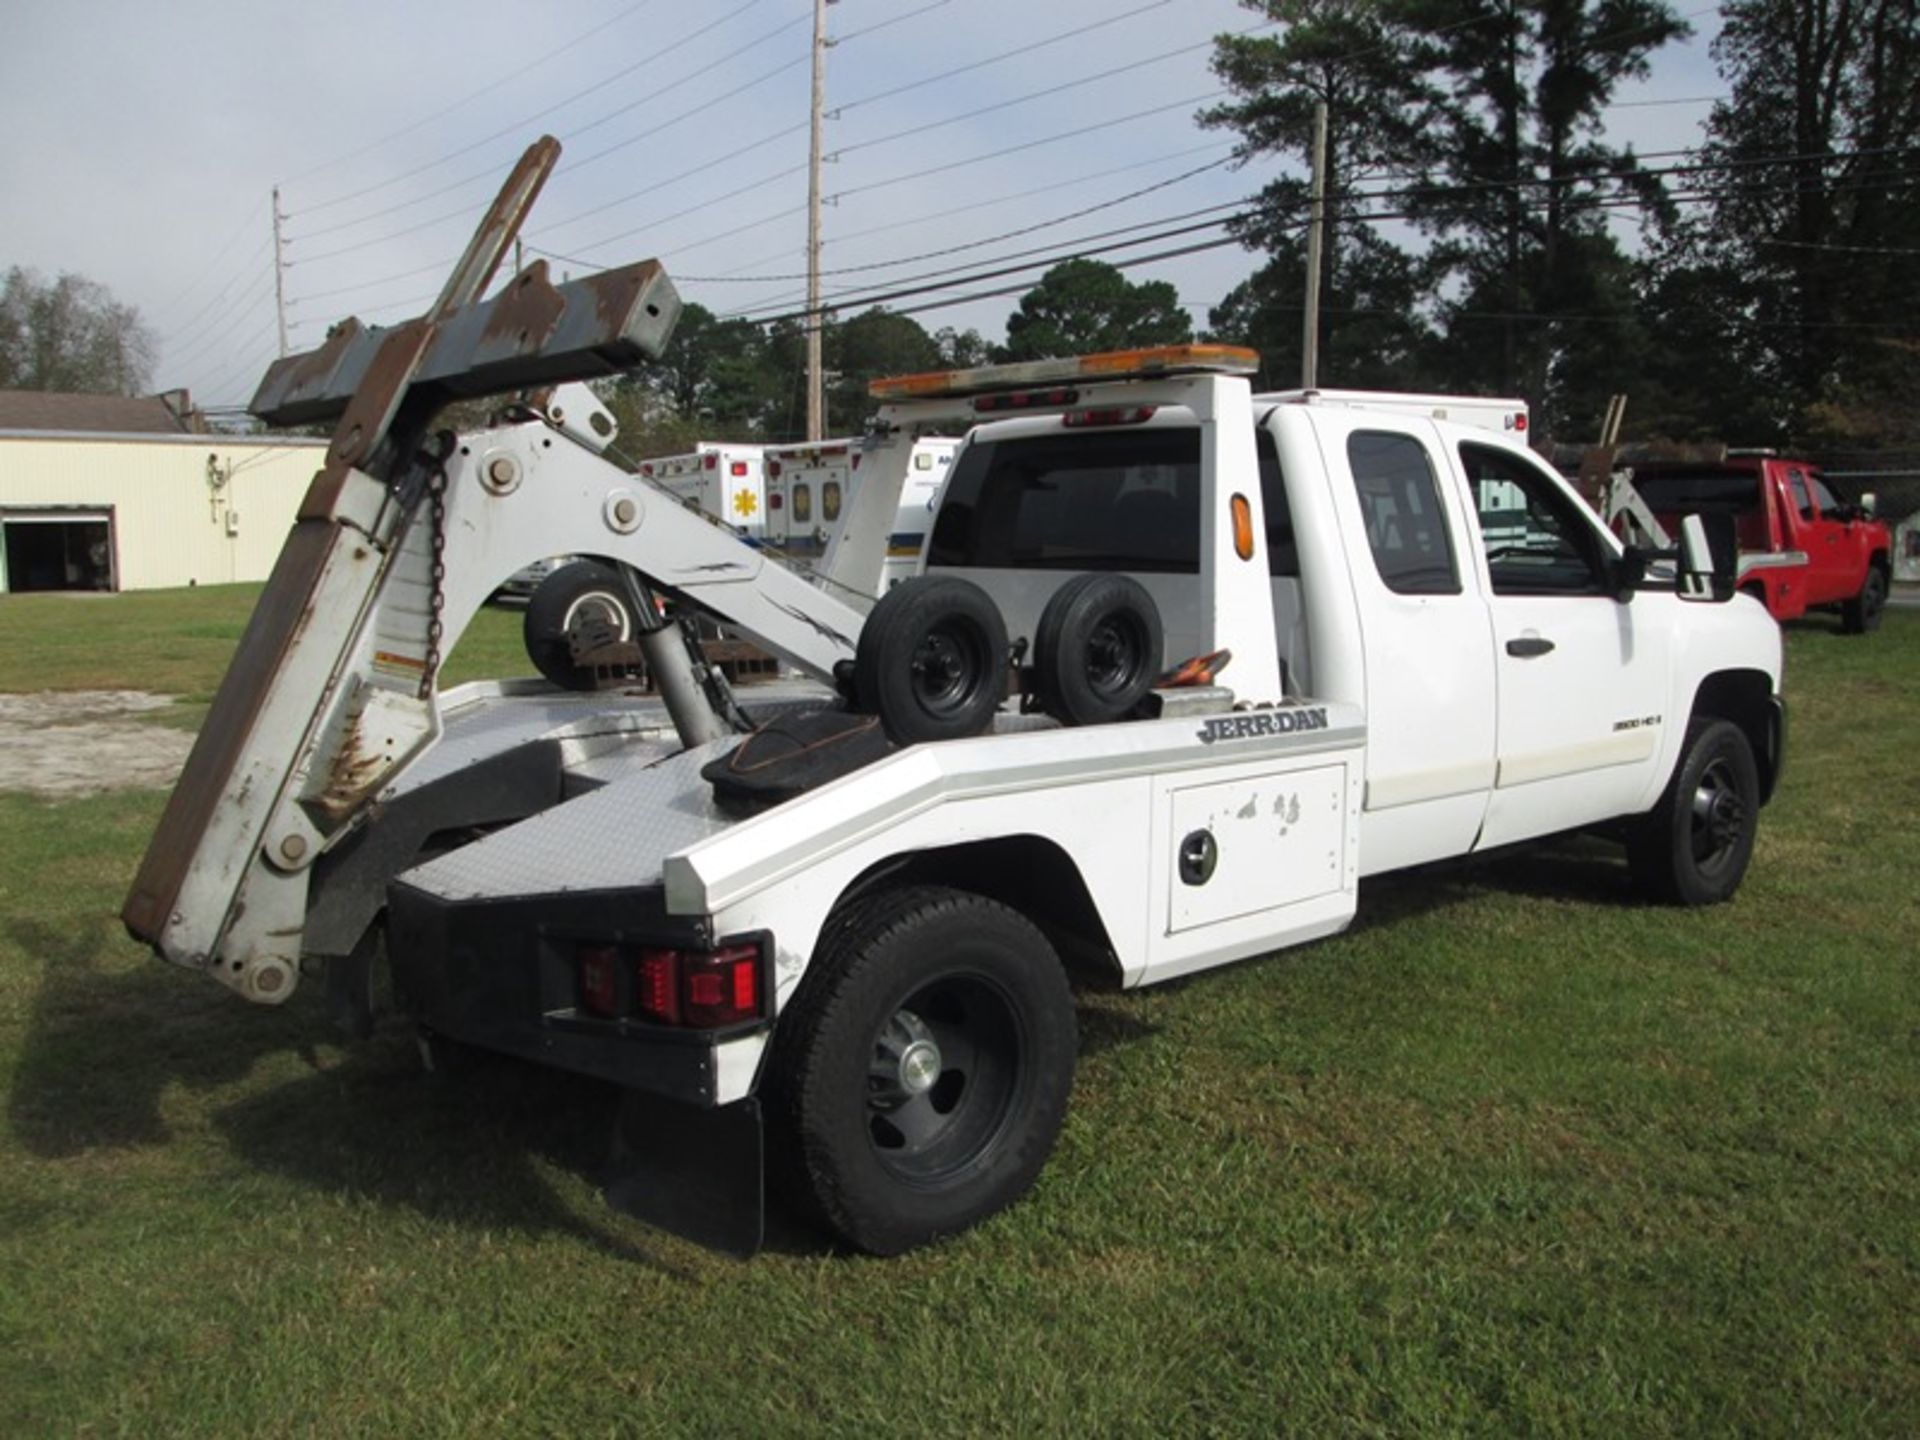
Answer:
(1021, 99)
(890, 21)
(520, 127)
(212, 267)
(971, 244)
(234, 277)
(907, 290)
(1027, 49)
(1026, 145)
(519, 69)
(1050, 188)
(241, 308)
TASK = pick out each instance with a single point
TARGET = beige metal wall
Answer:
(177, 519)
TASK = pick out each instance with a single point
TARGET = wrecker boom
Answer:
(400, 539)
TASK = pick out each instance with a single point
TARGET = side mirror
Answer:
(1869, 503)
(1630, 571)
(1708, 558)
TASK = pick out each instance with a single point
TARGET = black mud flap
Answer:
(694, 1172)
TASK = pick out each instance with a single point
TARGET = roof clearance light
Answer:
(1109, 365)
(1135, 415)
(1024, 400)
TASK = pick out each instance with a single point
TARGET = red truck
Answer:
(1801, 546)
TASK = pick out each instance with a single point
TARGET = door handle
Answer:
(1529, 646)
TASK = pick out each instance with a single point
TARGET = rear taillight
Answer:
(691, 989)
(711, 460)
(774, 501)
(773, 468)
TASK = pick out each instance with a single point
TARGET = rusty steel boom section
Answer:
(330, 693)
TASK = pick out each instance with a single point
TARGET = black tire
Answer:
(563, 600)
(1861, 615)
(1692, 848)
(1096, 650)
(932, 660)
(921, 1075)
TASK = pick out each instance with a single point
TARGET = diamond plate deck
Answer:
(612, 837)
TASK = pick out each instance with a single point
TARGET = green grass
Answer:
(176, 642)
(1511, 1155)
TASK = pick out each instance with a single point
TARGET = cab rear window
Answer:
(1128, 500)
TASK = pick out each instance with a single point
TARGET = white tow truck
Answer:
(845, 931)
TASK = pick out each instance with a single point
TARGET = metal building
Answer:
(143, 507)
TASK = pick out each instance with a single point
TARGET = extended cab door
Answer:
(1834, 566)
(1425, 668)
(1582, 678)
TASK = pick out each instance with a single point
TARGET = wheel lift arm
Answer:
(331, 693)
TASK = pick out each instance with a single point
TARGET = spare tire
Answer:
(572, 596)
(932, 660)
(1096, 650)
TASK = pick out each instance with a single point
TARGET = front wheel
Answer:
(1862, 613)
(1692, 848)
(921, 1074)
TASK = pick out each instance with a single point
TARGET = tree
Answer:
(871, 345)
(1081, 306)
(1377, 338)
(961, 349)
(72, 336)
(1812, 223)
(1358, 59)
(1521, 214)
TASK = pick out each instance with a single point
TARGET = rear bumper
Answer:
(500, 974)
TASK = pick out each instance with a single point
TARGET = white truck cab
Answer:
(840, 921)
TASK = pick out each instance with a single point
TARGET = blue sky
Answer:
(147, 140)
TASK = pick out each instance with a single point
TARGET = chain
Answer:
(437, 599)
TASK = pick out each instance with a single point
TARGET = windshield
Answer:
(1725, 492)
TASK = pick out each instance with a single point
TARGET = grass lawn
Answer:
(1513, 1154)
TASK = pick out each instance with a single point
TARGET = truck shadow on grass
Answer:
(105, 1046)
(495, 1145)
(1570, 869)
(499, 1144)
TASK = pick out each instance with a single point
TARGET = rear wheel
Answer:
(1693, 847)
(1862, 613)
(921, 1075)
(571, 598)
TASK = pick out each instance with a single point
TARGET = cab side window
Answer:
(1797, 482)
(1400, 503)
(1537, 539)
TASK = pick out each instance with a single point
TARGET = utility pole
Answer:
(815, 392)
(279, 272)
(1316, 228)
